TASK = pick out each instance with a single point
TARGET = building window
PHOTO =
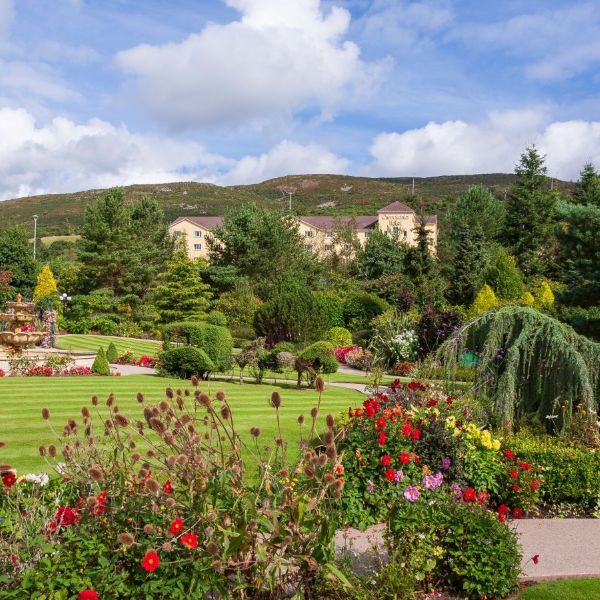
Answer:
(197, 246)
(395, 230)
(328, 234)
(197, 233)
(367, 233)
(177, 233)
(308, 247)
(308, 233)
(405, 233)
(347, 247)
(328, 247)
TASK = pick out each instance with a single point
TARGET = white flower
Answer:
(40, 479)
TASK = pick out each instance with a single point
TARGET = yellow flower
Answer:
(496, 444)
(426, 470)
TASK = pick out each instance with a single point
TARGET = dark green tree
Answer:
(587, 189)
(16, 256)
(381, 255)
(529, 221)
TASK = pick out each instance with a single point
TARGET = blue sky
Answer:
(107, 92)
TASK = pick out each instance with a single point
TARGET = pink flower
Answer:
(411, 493)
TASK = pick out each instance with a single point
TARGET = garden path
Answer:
(567, 548)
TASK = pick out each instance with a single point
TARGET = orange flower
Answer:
(338, 469)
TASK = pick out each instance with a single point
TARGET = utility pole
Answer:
(413, 186)
(290, 193)
(35, 218)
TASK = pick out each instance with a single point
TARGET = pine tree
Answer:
(465, 273)
(529, 214)
(111, 353)
(587, 189)
(503, 276)
(100, 365)
(182, 295)
(543, 296)
(46, 293)
(484, 301)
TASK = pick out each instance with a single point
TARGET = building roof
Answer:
(363, 223)
(396, 207)
(206, 222)
(431, 220)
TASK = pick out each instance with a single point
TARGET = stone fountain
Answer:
(18, 325)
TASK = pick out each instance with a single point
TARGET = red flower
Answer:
(509, 454)
(338, 469)
(369, 411)
(432, 402)
(386, 460)
(483, 497)
(516, 488)
(514, 474)
(176, 526)
(9, 479)
(150, 562)
(517, 513)
(382, 438)
(536, 559)
(189, 540)
(167, 488)
(524, 466)
(470, 495)
(406, 430)
(404, 458)
(87, 595)
(416, 434)
(381, 423)
(502, 517)
(357, 412)
(390, 474)
(66, 516)
(502, 509)
(415, 458)
(449, 400)
(535, 485)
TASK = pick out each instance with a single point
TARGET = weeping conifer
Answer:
(530, 364)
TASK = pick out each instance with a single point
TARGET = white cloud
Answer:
(286, 158)
(491, 146)
(64, 156)
(281, 56)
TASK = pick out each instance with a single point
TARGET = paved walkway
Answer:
(566, 547)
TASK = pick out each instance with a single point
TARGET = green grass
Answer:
(23, 429)
(93, 342)
(573, 589)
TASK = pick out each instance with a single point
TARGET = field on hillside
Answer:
(62, 214)
(23, 429)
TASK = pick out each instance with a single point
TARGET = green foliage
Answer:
(331, 307)
(530, 364)
(216, 317)
(380, 256)
(579, 249)
(484, 301)
(503, 276)
(585, 321)
(16, 257)
(530, 215)
(361, 307)
(100, 365)
(215, 340)
(543, 296)
(321, 356)
(587, 189)
(238, 304)
(182, 295)
(112, 353)
(46, 293)
(291, 313)
(338, 336)
(185, 361)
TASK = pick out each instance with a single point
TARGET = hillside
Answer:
(61, 214)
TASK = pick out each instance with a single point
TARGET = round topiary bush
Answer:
(186, 361)
(321, 355)
(216, 317)
(339, 336)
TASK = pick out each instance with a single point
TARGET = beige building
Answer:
(321, 234)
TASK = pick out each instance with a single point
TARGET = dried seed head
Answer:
(319, 384)
(187, 392)
(217, 565)
(157, 425)
(194, 381)
(300, 419)
(170, 461)
(95, 400)
(330, 421)
(339, 484)
(45, 413)
(126, 539)
(179, 392)
(212, 548)
(275, 399)
(328, 438)
(42, 450)
(309, 470)
(121, 420)
(108, 423)
(204, 399)
(135, 457)
(115, 409)
(185, 419)
(152, 485)
(169, 393)
(96, 473)
(284, 473)
(169, 439)
(314, 412)
(225, 414)
(180, 401)
(140, 397)
(85, 412)
(167, 547)
(322, 460)
(331, 451)
(151, 454)
(164, 406)
(110, 400)
(148, 528)
(279, 441)
(251, 524)
(287, 539)
(329, 478)
(182, 459)
(52, 450)
(170, 502)
(220, 396)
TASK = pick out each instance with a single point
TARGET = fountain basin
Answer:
(20, 339)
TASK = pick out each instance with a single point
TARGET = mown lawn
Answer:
(22, 399)
(93, 343)
(574, 589)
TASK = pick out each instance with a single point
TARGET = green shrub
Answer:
(339, 336)
(186, 361)
(215, 340)
(104, 326)
(111, 353)
(571, 474)
(361, 307)
(283, 347)
(331, 306)
(76, 326)
(101, 366)
(216, 317)
(585, 321)
(321, 355)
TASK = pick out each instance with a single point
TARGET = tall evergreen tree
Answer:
(46, 292)
(17, 258)
(381, 255)
(503, 275)
(465, 272)
(529, 216)
(182, 295)
(587, 189)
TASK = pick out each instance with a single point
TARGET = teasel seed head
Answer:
(140, 397)
(330, 421)
(45, 413)
(85, 412)
(41, 449)
(152, 485)
(314, 411)
(148, 529)
(95, 400)
(275, 399)
(110, 400)
(300, 419)
(220, 395)
(319, 384)
(225, 414)
(52, 450)
(169, 393)
(126, 539)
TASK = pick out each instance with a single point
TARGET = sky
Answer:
(96, 93)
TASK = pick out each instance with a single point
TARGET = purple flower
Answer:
(433, 481)
(411, 493)
(446, 462)
(457, 490)
(399, 476)
(370, 487)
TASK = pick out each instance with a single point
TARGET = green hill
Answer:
(62, 214)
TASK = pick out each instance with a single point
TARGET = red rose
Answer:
(381, 422)
(509, 454)
(150, 562)
(189, 540)
(470, 495)
(176, 526)
(516, 488)
(369, 411)
(390, 474)
(168, 488)
(514, 474)
(416, 434)
(536, 559)
(386, 460)
(404, 458)
(87, 595)
(524, 466)
(517, 513)
(382, 438)
(9, 479)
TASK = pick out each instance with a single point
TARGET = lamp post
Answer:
(35, 218)
(64, 298)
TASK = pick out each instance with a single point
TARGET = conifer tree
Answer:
(465, 272)
(111, 353)
(529, 214)
(543, 296)
(503, 276)
(484, 301)
(46, 293)
(182, 295)
(587, 189)
(100, 365)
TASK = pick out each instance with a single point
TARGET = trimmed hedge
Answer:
(322, 357)
(339, 336)
(571, 474)
(361, 307)
(186, 361)
(215, 340)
